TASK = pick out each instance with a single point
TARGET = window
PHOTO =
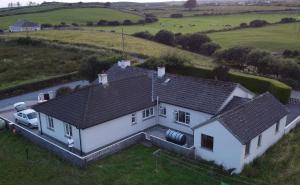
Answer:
(247, 149)
(259, 141)
(133, 118)
(207, 142)
(277, 127)
(68, 130)
(162, 111)
(50, 123)
(147, 113)
(182, 117)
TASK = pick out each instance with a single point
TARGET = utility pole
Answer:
(123, 44)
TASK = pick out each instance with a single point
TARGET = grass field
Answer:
(272, 38)
(197, 24)
(134, 166)
(75, 15)
(137, 165)
(21, 64)
(113, 41)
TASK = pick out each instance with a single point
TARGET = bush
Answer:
(27, 41)
(141, 21)
(243, 25)
(291, 53)
(1, 31)
(176, 15)
(258, 23)
(236, 56)
(101, 22)
(165, 37)
(288, 20)
(46, 25)
(196, 40)
(63, 91)
(75, 24)
(209, 48)
(127, 22)
(153, 63)
(221, 73)
(89, 23)
(174, 60)
(113, 23)
(144, 35)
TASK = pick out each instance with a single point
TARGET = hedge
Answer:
(255, 84)
(37, 85)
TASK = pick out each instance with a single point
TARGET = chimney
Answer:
(124, 63)
(103, 79)
(161, 71)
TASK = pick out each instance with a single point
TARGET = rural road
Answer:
(32, 96)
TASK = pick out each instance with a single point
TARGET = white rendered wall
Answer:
(59, 131)
(169, 119)
(227, 149)
(114, 130)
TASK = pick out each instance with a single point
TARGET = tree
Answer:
(258, 23)
(209, 48)
(196, 40)
(144, 35)
(190, 4)
(165, 37)
(221, 73)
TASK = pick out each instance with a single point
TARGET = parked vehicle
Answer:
(20, 106)
(27, 117)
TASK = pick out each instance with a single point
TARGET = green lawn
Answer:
(197, 24)
(134, 166)
(272, 38)
(109, 40)
(74, 15)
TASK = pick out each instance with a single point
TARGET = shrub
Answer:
(221, 73)
(144, 35)
(236, 56)
(1, 31)
(291, 53)
(182, 40)
(127, 22)
(75, 24)
(46, 25)
(141, 21)
(89, 23)
(174, 60)
(63, 91)
(153, 63)
(196, 40)
(288, 20)
(176, 15)
(209, 48)
(113, 23)
(258, 23)
(243, 25)
(102, 22)
(27, 41)
(165, 37)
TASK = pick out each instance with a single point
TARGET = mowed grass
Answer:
(271, 38)
(69, 16)
(113, 41)
(198, 24)
(134, 166)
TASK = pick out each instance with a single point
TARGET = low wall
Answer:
(163, 144)
(292, 125)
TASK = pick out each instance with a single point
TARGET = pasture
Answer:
(271, 38)
(113, 41)
(69, 16)
(198, 24)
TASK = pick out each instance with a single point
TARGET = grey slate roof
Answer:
(96, 104)
(25, 23)
(236, 101)
(250, 119)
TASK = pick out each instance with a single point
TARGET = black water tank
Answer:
(175, 137)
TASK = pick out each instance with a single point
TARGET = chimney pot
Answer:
(103, 79)
(124, 63)
(161, 71)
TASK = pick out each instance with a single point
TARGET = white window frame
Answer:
(187, 117)
(50, 123)
(162, 111)
(133, 119)
(148, 113)
(68, 130)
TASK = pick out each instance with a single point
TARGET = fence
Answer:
(294, 101)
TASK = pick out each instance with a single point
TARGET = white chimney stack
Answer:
(103, 79)
(124, 63)
(161, 71)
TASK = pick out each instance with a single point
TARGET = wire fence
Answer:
(216, 175)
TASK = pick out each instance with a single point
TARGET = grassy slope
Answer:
(76, 15)
(20, 64)
(203, 23)
(272, 38)
(134, 166)
(113, 41)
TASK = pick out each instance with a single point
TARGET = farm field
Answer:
(21, 64)
(137, 165)
(109, 40)
(271, 38)
(69, 16)
(198, 24)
